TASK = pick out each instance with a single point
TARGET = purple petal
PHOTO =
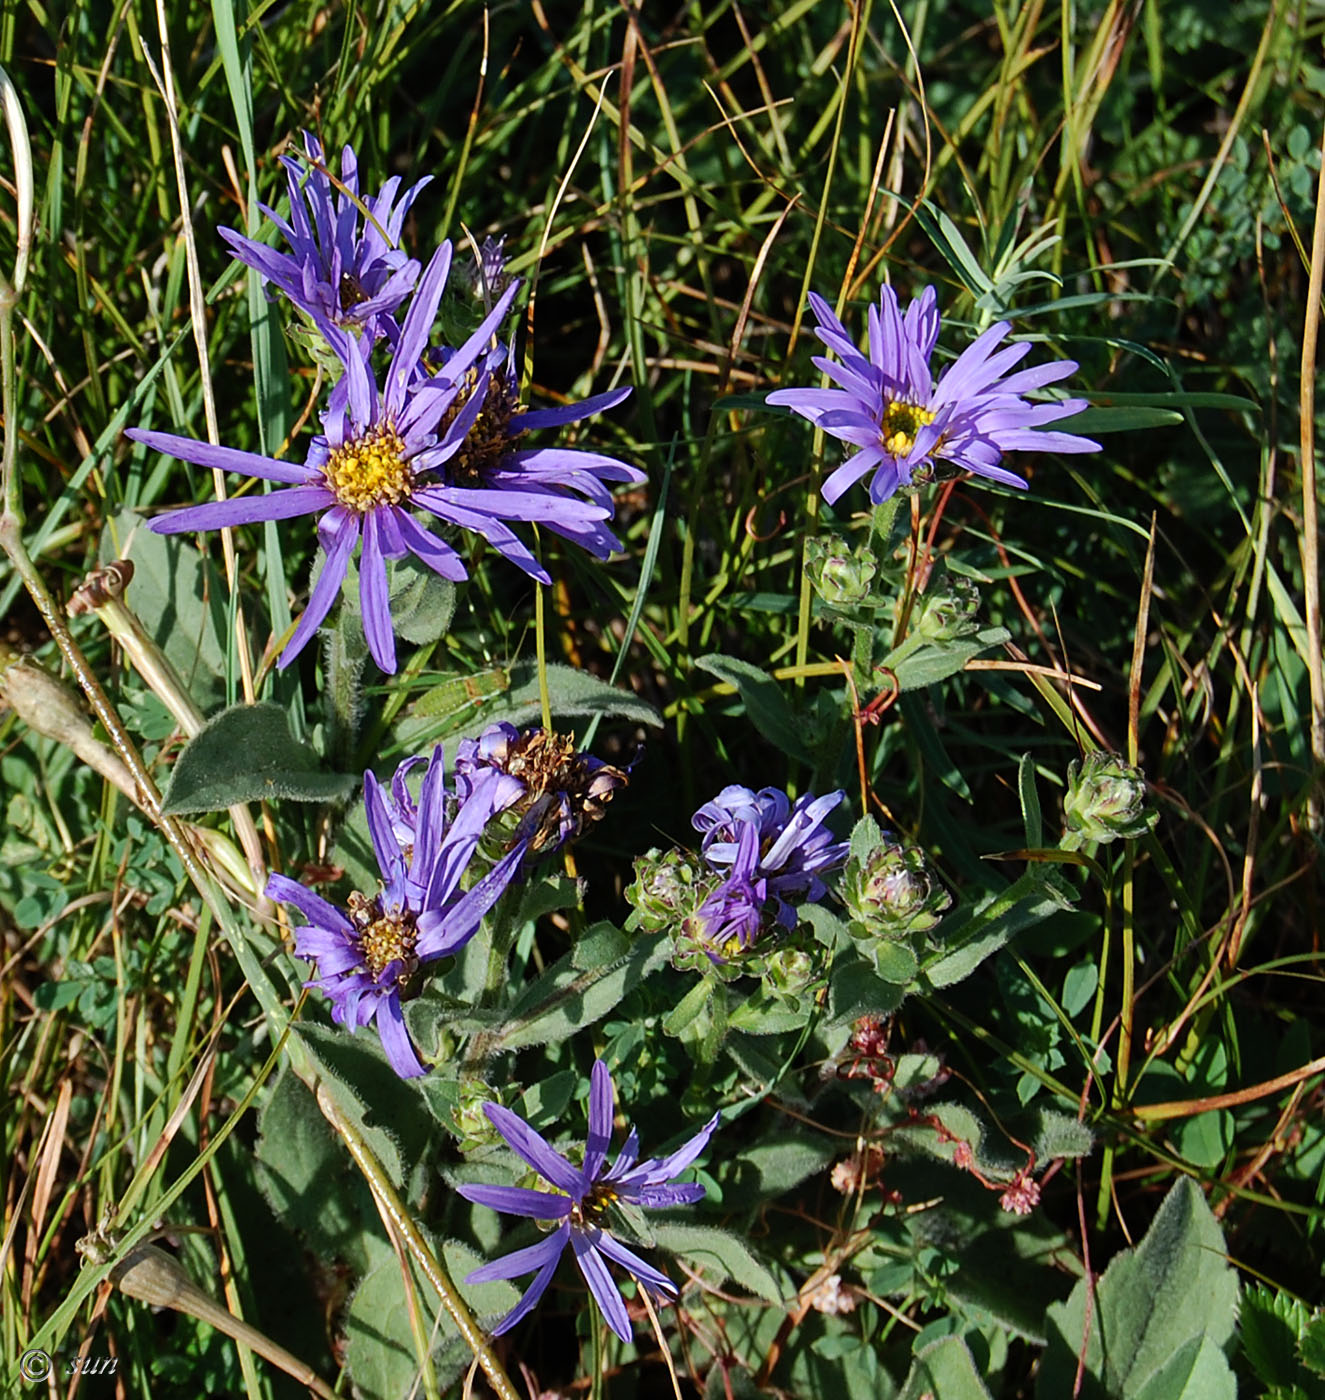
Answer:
(548, 1252)
(386, 848)
(244, 510)
(229, 459)
(399, 1047)
(600, 1120)
(342, 530)
(643, 1273)
(375, 597)
(601, 1286)
(533, 1148)
(516, 1200)
(522, 1261)
(418, 326)
(571, 412)
(312, 906)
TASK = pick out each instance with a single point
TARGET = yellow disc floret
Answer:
(385, 937)
(901, 422)
(370, 470)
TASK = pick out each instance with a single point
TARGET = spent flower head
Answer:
(561, 790)
(901, 423)
(892, 892)
(368, 954)
(577, 1202)
(345, 265)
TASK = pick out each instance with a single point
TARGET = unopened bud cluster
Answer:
(840, 575)
(1106, 799)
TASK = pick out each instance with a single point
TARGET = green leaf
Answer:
(1155, 1308)
(1096, 421)
(927, 663)
(306, 1175)
(1030, 802)
(564, 1000)
(1061, 1135)
(969, 940)
(766, 707)
(854, 990)
(894, 960)
(771, 1169)
(944, 1370)
(1311, 1346)
(1199, 1370)
(721, 1255)
(1270, 1325)
(179, 598)
(247, 754)
(422, 602)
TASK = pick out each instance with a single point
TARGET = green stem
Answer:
(433, 1269)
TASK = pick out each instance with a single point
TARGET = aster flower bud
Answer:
(669, 888)
(893, 892)
(1106, 799)
(841, 576)
(469, 1116)
(948, 610)
(789, 971)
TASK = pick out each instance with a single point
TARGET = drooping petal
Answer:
(605, 1292)
(374, 596)
(342, 531)
(399, 1047)
(642, 1273)
(313, 907)
(522, 1261)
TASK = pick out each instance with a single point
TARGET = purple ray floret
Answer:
(889, 408)
(496, 458)
(374, 464)
(793, 845)
(367, 953)
(342, 267)
(578, 1200)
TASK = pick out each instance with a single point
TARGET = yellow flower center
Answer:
(901, 422)
(384, 937)
(594, 1206)
(371, 470)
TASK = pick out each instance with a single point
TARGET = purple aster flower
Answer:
(732, 917)
(900, 421)
(492, 457)
(373, 466)
(786, 845)
(368, 954)
(578, 1199)
(337, 270)
(562, 790)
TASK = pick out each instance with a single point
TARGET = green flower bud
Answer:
(1106, 799)
(840, 575)
(789, 971)
(893, 892)
(669, 887)
(471, 1123)
(948, 610)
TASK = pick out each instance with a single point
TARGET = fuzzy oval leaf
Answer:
(766, 706)
(247, 754)
(944, 1368)
(724, 1255)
